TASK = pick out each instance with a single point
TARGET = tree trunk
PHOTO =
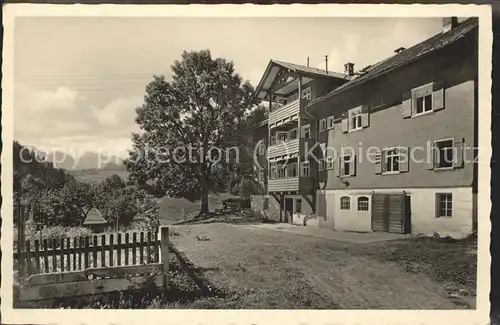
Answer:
(204, 200)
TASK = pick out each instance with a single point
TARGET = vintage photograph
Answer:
(282, 163)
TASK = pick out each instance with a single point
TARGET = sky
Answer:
(79, 80)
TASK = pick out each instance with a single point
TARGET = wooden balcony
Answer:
(293, 147)
(286, 114)
(290, 184)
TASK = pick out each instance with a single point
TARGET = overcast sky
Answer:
(79, 80)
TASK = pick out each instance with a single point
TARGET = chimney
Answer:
(349, 68)
(326, 64)
(449, 23)
(308, 62)
(399, 50)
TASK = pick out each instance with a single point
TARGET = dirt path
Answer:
(272, 269)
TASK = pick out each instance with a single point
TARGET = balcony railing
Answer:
(290, 184)
(288, 112)
(295, 146)
(284, 148)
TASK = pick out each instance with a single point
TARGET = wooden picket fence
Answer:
(89, 265)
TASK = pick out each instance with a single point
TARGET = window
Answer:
(330, 122)
(423, 104)
(345, 203)
(292, 170)
(322, 125)
(306, 131)
(329, 159)
(292, 134)
(281, 136)
(444, 205)
(282, 171)
(305, 171)
(363, 203)
(298, 205)
(306, 93)
(346, 164)
(293, 98)
(443, 157)
(355, 119)
(329, 162)
(265, 204)
(282, 101)
(391, 160)
(322, 164)
(274, 172)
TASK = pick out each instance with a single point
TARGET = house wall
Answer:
(423, 211)
(457, 67)
(325, 209)
(257, 207)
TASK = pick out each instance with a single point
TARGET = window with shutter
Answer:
(306, 131)
(355, 119)
(322, 125)
(438, 96)
(330, 122)
(459, 154)
(404, 159)
(378, 163)
(348, 165)
(345, 123)
(444, 154)
(406, 107)
(365, 117)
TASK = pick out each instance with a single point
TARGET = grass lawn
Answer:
(262, 268)
(171, 209)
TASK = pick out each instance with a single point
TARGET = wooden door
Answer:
(391, 212)
(379, 212)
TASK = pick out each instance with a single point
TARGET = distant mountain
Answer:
(89, 160)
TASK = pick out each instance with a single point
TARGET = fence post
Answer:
(164, 242)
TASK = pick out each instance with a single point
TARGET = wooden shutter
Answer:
(405, 163)
(459, 154)
(437, 96)
(431, 158)
(378, 163)
(340, 170)
(352, 166)
(406, 105)
(365, 116)
(345, 123)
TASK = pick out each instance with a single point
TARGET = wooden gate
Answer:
(72, 267)
(391, 212)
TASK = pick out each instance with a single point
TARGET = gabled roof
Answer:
(409, 55)
(309, 70)
(274, 66)
(94, 217)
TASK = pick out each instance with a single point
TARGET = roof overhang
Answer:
(275, 68)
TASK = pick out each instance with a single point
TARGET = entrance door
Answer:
(391, 213)
(288, 210)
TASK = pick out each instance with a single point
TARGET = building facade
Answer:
(387, 148)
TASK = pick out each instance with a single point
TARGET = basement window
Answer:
(363, 203)
(443, 205)
(345, 203)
